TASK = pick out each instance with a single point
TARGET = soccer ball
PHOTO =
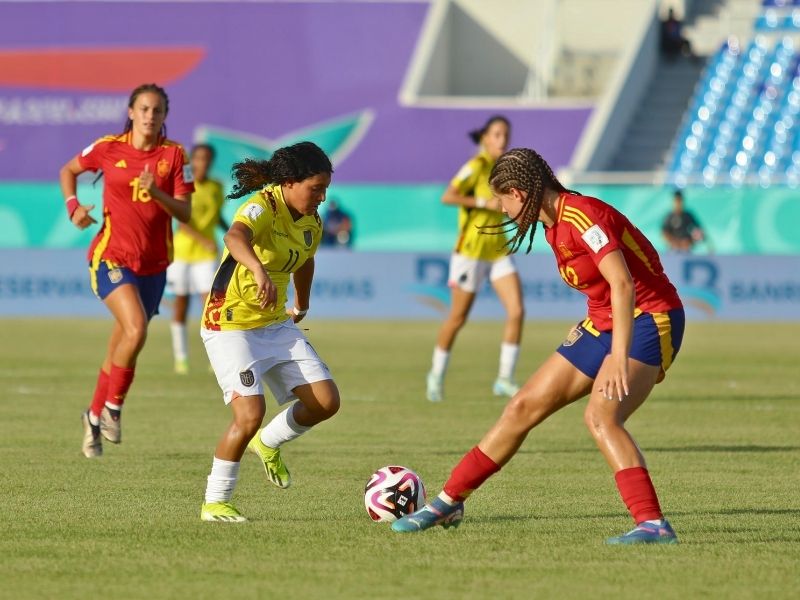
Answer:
(393, 492)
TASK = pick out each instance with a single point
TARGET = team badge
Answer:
(573, 337)
(565, 252)
(308, 238)
(247, 378)
(115, 275)
(162, 167)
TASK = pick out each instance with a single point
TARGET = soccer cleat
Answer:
(504, 387)
(181, 366)
(434, 391)
(92, 446)
(647, 533)
(111, 425)
(276, 471)
(222, 512)
(436, 512)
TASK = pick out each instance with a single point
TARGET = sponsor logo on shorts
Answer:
(573, 337)
(115, 275)
(308, 238)
(247, 378)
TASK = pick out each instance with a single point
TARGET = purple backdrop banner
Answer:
(272, 70)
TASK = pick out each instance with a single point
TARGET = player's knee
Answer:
(516, 313)
(248, 421)
(330, 404)
(136, 332)
(596, 420)
(525, 410)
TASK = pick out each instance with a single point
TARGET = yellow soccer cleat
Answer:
(222, 512)
(276, 471)
(181, 366)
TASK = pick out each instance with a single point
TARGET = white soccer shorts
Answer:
(188, 279)
(278, 355)
(468, 274)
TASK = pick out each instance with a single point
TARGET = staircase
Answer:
(646, 145)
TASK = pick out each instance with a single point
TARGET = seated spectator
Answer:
(681, 229)
(337, 226)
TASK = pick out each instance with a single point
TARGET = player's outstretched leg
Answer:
(447, 509)
(436, 512)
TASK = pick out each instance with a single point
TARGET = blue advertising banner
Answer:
(352, 285)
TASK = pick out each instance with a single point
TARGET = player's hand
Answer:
(266, 292)
(81, 217)
(613, 379)
(147, 181)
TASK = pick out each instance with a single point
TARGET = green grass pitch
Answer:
(722, 436)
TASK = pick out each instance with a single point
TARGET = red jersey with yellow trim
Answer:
(585, 231)
(136, 232)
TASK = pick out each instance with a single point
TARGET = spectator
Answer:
(337, 226)
(672, 41)
(680, 228)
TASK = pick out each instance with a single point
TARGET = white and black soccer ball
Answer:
(393, 492)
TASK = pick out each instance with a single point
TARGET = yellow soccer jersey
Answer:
(473, 180)
(206, 203)
(282, 244)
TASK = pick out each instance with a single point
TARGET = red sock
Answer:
(100, 393)
(469, 474)
(638, 494)
(120, 380)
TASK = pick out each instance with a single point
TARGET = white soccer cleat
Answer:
(435, 388)
(504, 387)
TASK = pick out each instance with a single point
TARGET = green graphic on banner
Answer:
(411, 217)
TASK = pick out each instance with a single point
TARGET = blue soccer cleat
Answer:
(647, 533)
(437, 512)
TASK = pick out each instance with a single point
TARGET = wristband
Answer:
(72, 205)
(480, 202)
(299, 313)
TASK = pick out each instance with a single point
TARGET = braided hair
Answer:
(523, 169)
(291, 163)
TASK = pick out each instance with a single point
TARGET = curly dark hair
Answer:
(292, 163)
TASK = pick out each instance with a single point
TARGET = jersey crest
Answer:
(162, 168)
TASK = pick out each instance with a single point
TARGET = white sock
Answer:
(283, 428)
(180, 348)
(656, 522)
(94, 419)
(222, 480)
(508, 360)
(444, 497)
(112, 406)
(440, 359)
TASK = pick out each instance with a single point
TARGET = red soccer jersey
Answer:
(586, 230)
(136, 231)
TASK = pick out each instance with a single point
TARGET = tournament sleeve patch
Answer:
(253, 211)
(187, 174)
(87, 150)
(595, 237)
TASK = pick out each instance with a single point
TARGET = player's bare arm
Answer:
(302, 289)
(452, 197)
(615, 271)
(239, 241)
(68, 177)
